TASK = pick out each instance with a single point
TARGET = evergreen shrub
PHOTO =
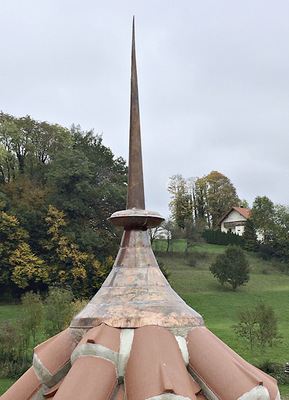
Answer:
(217, 237)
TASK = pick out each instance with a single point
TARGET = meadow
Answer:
(218, 306)
(197, 286)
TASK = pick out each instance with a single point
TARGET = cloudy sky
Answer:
(213, 83)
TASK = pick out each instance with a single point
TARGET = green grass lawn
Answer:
(218, 306)
(5, 384)
(10, 312)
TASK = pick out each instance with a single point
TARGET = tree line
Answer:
(58, 186)
(198, 204)
(203, 199)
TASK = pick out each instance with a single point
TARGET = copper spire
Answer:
(135, 192)
(136, 293)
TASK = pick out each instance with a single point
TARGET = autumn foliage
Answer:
(58, 186)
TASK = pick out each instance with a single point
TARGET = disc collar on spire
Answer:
(135, 216)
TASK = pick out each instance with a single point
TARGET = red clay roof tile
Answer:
(156, 366)
(56, 351)
(24, 388)
(120, 395)
(245, 212)
(103, 334)
(89, 378)
(226, 374)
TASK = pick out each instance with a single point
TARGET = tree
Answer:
(246, 327)
(258, 326)
(27, 267)
(33, 309)
(214, 196)
(200, 201)
(68, 265)
(14, 342)
(29, 142)
(168, 226)
(250, 236)
(263, 216)
(267, 332)
(243, 203)
(57, 309)
(193, 233)
(221, 195)
(231, 267)
(89, 184)
(181, 203)
(155, 233)
(11, 237)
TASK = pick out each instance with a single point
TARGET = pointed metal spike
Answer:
(135, 193)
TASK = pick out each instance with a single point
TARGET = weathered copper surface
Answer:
(136, 218)
(136, 293)
(135, 192)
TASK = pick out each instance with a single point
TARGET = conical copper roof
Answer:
(136, 293)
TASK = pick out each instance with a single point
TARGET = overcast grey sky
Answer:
(213, 83)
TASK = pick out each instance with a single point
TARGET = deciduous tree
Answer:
(221, 195)
(231, 267)
(263, 216)
(181, 203)
(33, 313)
(258, 326)
(58, 308)
(214, 196)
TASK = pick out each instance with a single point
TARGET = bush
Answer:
(277, 370)
(164, 270)
(14, 357)
(58, 310)
(195, 256)
(33, 309)
(192, 261)
(266, 252)
(222, 238)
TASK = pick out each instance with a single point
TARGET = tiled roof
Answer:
(245, 212)
(141, 364)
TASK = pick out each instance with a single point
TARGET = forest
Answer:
(58, 186)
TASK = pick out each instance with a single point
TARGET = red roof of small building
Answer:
(245, 212)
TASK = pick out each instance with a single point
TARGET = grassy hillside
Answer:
(197, 286)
